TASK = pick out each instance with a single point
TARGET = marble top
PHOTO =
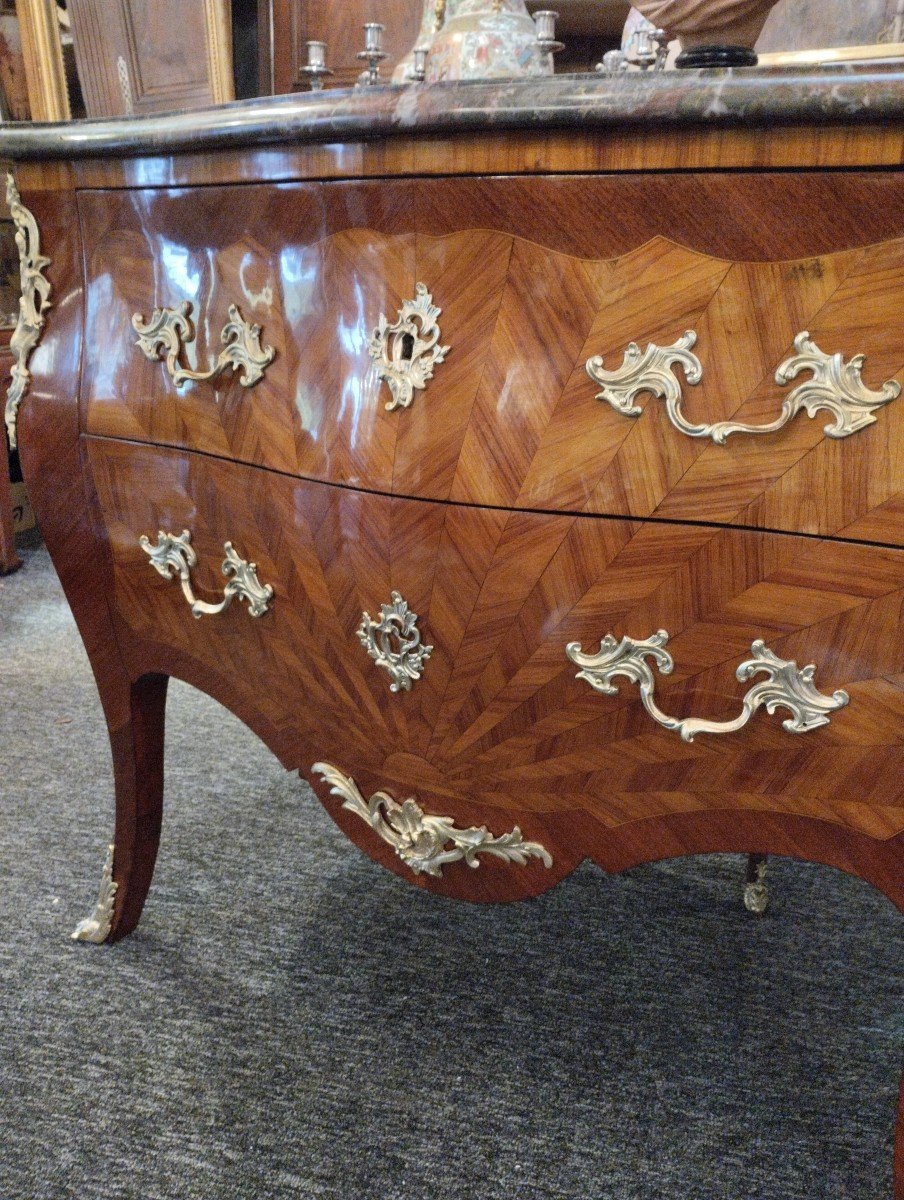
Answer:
(669, 99)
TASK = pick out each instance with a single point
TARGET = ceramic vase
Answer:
(486, 39)
(709, 22)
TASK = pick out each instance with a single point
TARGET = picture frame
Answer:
(42, 50)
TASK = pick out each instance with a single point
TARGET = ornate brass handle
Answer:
(785, 686)
(835, 386)
(174, 557)
(170, 329)
(425, 843)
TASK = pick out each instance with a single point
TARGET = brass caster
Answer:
(756, 890)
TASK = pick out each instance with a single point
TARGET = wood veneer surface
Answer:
(504, 153)
(498, 729)
(534, 277)
(499, 724)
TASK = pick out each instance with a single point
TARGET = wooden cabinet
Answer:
(532, 514)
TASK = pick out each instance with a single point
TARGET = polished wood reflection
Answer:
(510, 418)
(498, 728)
(513, 511)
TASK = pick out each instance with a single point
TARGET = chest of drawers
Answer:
(536, 501)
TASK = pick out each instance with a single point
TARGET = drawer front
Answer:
(523, 391)
(482, 709)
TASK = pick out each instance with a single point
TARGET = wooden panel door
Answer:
(143, 56)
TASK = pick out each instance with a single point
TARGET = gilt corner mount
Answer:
(96, 928)
(33, 303)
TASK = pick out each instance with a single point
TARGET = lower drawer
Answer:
(503, 722)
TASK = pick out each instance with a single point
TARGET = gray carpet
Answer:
(292, 1021)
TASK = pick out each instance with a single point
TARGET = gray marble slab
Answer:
(672, 99)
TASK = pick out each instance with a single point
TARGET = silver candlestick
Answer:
(648, 48)
(373, 53)
(643, 46)
(419, 65)
(614, 61)
(315, 68)
(545, 20)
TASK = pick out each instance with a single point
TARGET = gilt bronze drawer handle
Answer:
(174, 557)
(785, 685)
(426, 844)
(406, 351)
(170, 329)
(835, 386)
(394, 643)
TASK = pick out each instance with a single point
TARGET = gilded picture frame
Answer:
(42, 50)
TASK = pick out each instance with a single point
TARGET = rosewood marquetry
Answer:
(510, 509)
(510, 418)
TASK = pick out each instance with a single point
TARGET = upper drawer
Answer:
(800, 276)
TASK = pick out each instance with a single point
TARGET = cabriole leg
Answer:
(137, 746)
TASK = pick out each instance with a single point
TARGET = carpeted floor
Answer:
(292, 1021)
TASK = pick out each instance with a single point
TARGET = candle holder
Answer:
(648, 48)
(419, 65)
(643, 46)
(545, 21)
(614, 62)
(373, 54)
(315, 68)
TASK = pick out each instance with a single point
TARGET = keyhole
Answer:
(407, 346)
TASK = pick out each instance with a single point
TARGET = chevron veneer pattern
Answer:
(511, 419)
(498, 721)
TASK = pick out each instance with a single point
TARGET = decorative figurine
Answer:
(713, 33)
(487, 39)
